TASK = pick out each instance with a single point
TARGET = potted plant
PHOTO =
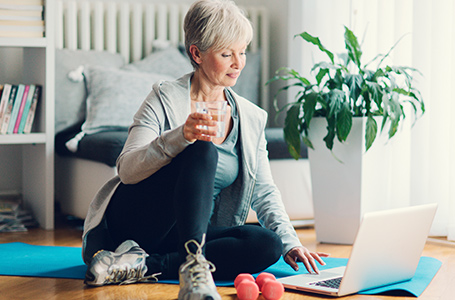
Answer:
(340, 108)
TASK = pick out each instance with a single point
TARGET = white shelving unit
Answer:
(35, 159)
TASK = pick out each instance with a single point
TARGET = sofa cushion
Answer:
(106, 146)
(102, 147)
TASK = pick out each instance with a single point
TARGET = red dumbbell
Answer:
(270, 288)
(246, 287)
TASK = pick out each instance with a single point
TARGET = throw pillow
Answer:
(168, 61)
(114, 96)
(248, 84)
(70, 94)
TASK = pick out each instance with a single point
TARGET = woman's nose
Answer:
(239, 62)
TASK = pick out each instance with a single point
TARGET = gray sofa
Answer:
(92, 120)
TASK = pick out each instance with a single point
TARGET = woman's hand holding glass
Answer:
(199, 126)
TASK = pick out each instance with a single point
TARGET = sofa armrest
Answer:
(277, 147)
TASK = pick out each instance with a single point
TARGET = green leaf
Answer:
(309, 106)
(330, 137)
(321, 74)
(326, 65)
(291, 130)
(370, 132)
(307, 142)
(393, 127)
(336, 83)
(353, 47)
(395, 113)
(275, 97)
(344, 122)
(401, 91)
(375, 91)
(418, 98)
(378, 74)
(344, 58)
(355, 83)
(289, 74)
(335, 101)
(315, 41)
(322, 100)
(368, 75)
(385, 114)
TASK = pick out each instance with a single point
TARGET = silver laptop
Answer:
(386, 250)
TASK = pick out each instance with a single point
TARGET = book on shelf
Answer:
(13, 217)
(14, 28)
(22, 2)
(21, 24)
(2, 87)
(22, 34)
(8, 109)
(18, 104)
(21, 10)
(18, 28)
(32, 111)
(21, 14)
(3, 101)
(19, 6)
(21, 109)
(22, 18)
(28, 104)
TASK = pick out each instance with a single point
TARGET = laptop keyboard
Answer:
(333, 283)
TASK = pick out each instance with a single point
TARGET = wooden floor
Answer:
(442, 287)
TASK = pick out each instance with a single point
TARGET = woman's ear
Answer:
(196, 54)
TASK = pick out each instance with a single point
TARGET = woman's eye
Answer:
(229, 55)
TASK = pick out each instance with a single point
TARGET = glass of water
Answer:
(217, 110)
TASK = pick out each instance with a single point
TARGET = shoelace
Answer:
(125, 274)
(200, 266)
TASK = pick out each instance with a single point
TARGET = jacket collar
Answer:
(176, 101)
(175, 98)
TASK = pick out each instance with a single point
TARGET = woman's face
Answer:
(223, 67)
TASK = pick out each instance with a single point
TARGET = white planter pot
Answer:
(361, 182)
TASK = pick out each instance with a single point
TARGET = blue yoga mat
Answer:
(19, 259)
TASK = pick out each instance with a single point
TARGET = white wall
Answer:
(433, 162)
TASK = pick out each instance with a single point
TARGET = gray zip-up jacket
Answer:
(156, 136)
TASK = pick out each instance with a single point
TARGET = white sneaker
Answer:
(125, 265)
(196, 281)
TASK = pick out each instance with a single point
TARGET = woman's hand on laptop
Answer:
(307, 257)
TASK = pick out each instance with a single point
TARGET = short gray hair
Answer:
(215, 24)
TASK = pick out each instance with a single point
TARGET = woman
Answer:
(183, 194)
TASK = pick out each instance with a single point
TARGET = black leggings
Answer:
(173, 206)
